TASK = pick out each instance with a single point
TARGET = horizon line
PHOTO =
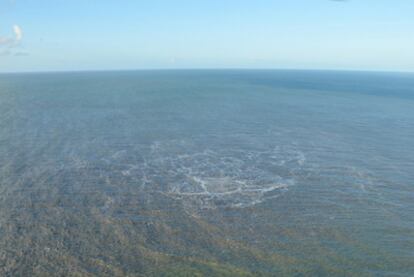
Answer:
(205, 69)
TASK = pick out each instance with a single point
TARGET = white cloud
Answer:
(8, 44)
(18, 32)
(10, 41)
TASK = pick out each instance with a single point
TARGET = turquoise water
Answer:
(243, 172)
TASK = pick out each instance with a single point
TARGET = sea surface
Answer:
(216, 173)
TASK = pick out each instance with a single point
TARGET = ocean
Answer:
(208, 172)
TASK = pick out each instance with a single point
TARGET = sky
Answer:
(67, 35)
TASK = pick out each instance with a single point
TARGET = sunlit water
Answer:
(247, 172)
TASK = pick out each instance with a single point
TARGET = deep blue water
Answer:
(317, 167)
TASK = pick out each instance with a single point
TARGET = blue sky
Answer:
(49, 35)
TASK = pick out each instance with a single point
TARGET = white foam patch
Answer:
(226, 192)
(205, 177)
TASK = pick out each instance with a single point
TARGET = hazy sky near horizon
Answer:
(49, 35)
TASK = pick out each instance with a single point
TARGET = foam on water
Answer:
(226, 192)
(209, 178)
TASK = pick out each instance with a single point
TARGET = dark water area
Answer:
(216, 173)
